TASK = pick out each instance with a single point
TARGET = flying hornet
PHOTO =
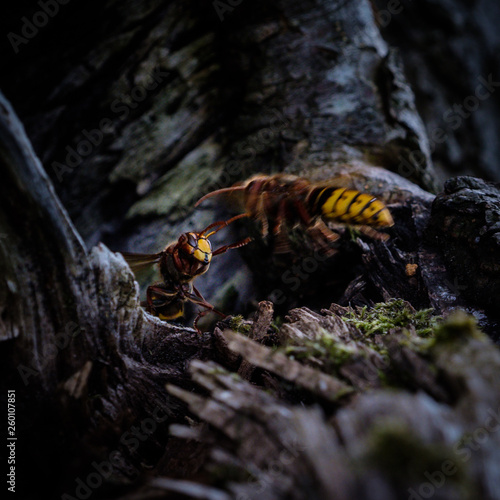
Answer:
(180, 263)
(281, 200)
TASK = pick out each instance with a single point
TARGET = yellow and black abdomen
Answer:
(349, 206)
(165, 301)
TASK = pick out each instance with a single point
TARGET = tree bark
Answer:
(296, 87)
(453, 66)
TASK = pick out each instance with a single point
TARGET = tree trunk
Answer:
(453, 65)
(138, 114)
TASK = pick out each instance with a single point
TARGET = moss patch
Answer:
(395, 313)
(324, 351)
(404, 457)
(237, 324)
(458, 325)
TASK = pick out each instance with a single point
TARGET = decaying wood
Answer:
(388, 438)
(292, 371)
(79, 333)
(466, 225)
(331, 425)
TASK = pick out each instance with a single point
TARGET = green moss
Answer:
(329, 353)
(458, 325)
(395, 313)
(237, 324)
(325, 351)
(404, 457)
(217, 370)
(384, 379)
(277, 323)
(354, 233)
(229, 473)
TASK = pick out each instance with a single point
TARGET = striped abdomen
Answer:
(349, 206)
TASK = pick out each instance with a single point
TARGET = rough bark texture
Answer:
(77, 346)
(292, 86)
(331, 400)
(450, 49)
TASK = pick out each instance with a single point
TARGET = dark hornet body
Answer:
(283, 199)
(180, 263)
